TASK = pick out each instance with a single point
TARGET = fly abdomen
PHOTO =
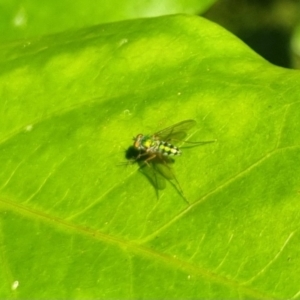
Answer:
(168, 149)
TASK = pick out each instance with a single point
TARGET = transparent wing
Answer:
(154, 176)
(164, 170)
(176, 132)
(158, 170)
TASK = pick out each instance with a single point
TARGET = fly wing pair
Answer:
(178, 133)
(158, 172)
(175, 132)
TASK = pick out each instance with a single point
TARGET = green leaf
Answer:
(76, 224)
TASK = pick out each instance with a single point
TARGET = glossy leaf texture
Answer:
(78, 223)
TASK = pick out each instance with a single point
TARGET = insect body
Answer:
(153, 153)
(152, 144)
(158, 144)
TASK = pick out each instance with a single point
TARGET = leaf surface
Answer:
(76, 224)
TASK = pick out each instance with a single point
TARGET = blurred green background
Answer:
(268, 26)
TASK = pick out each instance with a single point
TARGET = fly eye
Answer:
(139, 137)
(138, 141)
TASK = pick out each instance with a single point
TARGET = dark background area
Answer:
(266, 26)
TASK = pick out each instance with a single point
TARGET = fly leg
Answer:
(177, 185)
(149, 168)
(165, 163)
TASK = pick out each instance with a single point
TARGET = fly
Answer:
(161, 143)
(154, 153)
